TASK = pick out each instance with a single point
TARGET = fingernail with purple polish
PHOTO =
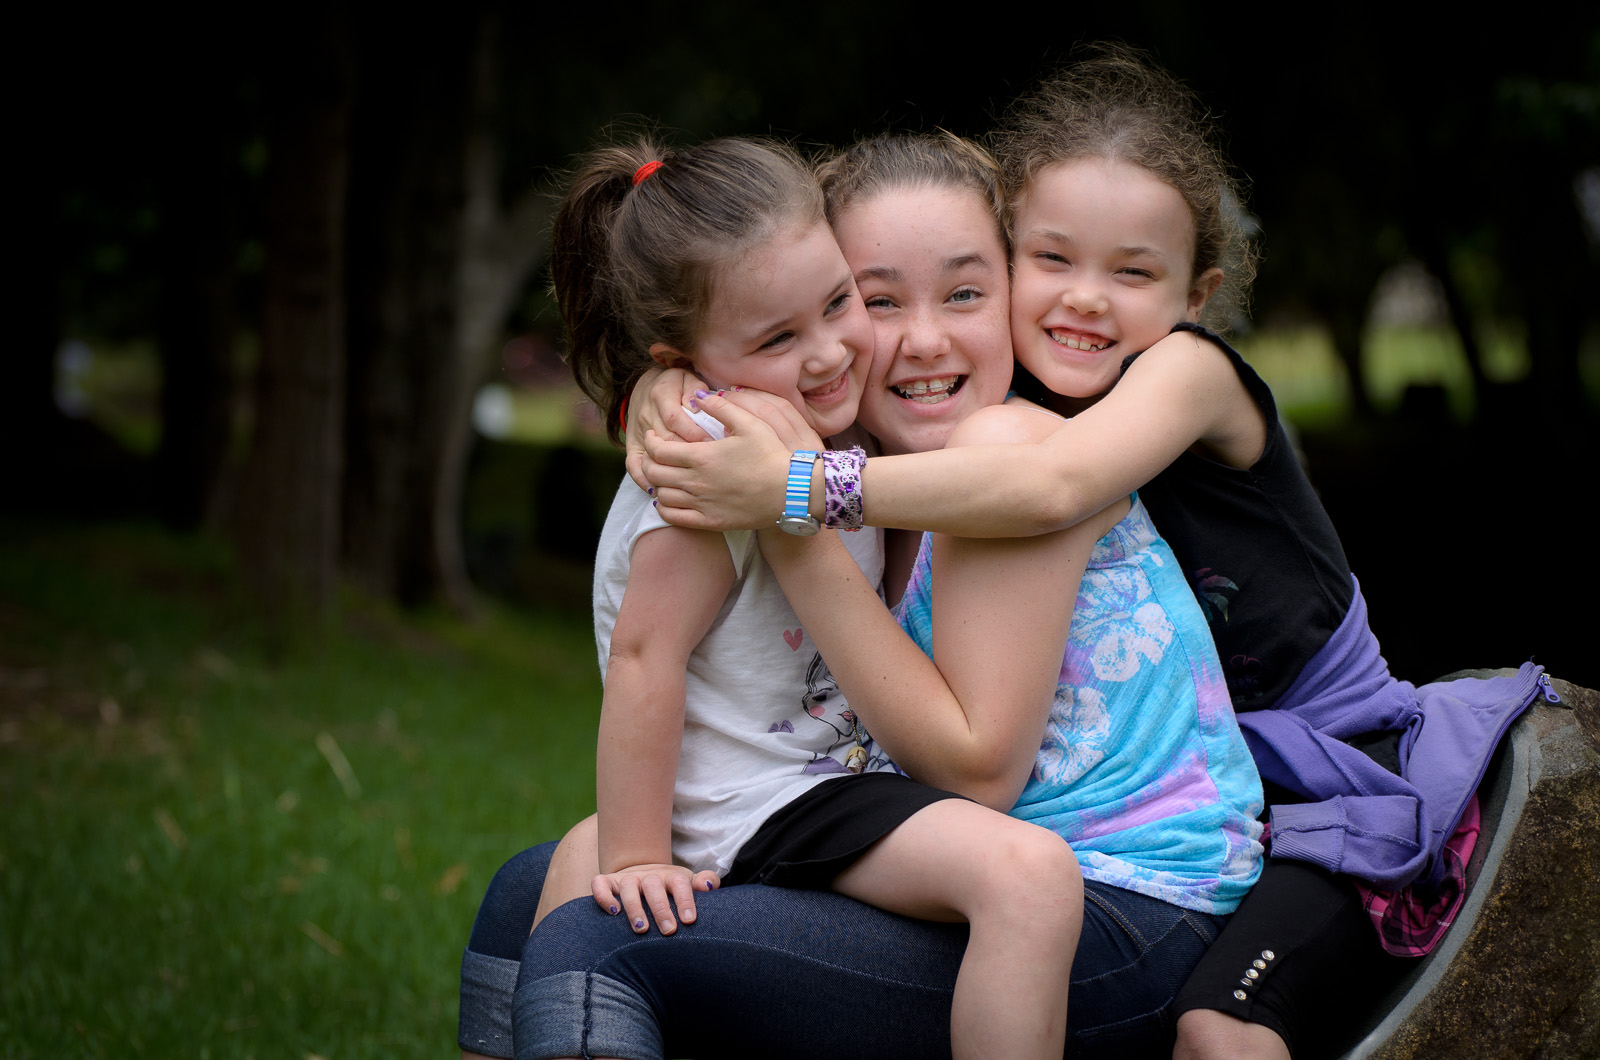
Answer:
(702, 393)
(638, 925)
(615, 910)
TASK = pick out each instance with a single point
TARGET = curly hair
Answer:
(1114, 103)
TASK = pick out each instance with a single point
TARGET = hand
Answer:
(656, 404)
(738, 482)
(660, 887)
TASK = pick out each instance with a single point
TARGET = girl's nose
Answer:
(924, 337)
(1085, 296)
(827, 357)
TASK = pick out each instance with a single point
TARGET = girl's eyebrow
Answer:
(783, 322)
(962, 261)
(890, 274)
(1047, 233)
(886, 273)
(1053, 236)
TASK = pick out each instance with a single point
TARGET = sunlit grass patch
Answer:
(1312, 388)
(203, 854)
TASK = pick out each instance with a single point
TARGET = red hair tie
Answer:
(644, 171)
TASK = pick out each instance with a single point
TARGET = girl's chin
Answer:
(834, 421)
(916, 430)
(925, 439)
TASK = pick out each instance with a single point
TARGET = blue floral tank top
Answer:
(1142, 768)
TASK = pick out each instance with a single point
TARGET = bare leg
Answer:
(574, 864)
(1205, 1034)
(573, 867)
(1020, 889)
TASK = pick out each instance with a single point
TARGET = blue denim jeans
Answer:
(770, 971)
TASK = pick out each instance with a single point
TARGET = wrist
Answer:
(799, 487)
(788, 554)
(841, 488)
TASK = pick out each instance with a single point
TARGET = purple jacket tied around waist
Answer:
(1369, 823)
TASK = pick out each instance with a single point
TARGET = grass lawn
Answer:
(205, 855)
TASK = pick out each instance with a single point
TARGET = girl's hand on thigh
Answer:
(660, 887)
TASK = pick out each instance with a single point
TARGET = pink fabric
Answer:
(1410, 923)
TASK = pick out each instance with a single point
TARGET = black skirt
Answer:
(823, 832)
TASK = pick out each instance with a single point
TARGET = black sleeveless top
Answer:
(1258, 550)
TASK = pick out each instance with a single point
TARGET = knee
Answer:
(1040, 867)
(1043, 859)
(508, 906)
(1205, 1034)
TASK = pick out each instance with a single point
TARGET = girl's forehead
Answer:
(781, 272)
(771, 253)
(924, 213)
(1103, 195)
(900, 198)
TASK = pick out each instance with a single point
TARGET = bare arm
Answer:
(971, 724)
(1180, 393)
(677, 581)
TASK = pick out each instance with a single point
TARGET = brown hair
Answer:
(1116, 104)
(911, 160)
(633, 264)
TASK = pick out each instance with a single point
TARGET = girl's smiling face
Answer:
(1102, 268)
(931, 269)
(785, 318)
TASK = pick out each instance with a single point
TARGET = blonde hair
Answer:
(911, 160)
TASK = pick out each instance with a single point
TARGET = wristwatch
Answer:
(796, 518)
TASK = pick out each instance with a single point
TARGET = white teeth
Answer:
(929, 391)
(1073, 343)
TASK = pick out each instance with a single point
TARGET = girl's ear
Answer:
(1205, 285)
(667, 357)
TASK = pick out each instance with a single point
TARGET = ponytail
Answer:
(639, 240)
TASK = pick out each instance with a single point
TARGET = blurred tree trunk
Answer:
(288, 531)
(1559, 295)
(196, 323)
(29, 419)
(500, 248)
(1346, 324)
(436, 264)
(405, 221)
(1431, 246)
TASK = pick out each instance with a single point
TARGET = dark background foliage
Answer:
(328, 221)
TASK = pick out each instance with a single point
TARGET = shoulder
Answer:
(1017, 421)
(1186, 358)
(1228, 405)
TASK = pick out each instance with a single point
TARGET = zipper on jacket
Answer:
(1546, 690)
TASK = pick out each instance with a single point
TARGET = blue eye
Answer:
(879, 301)
(964, 295)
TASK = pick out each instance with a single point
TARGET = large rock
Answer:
(1519, 973)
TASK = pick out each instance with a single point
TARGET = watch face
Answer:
(798, 525)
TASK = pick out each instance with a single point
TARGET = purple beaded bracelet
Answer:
(841, 481)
